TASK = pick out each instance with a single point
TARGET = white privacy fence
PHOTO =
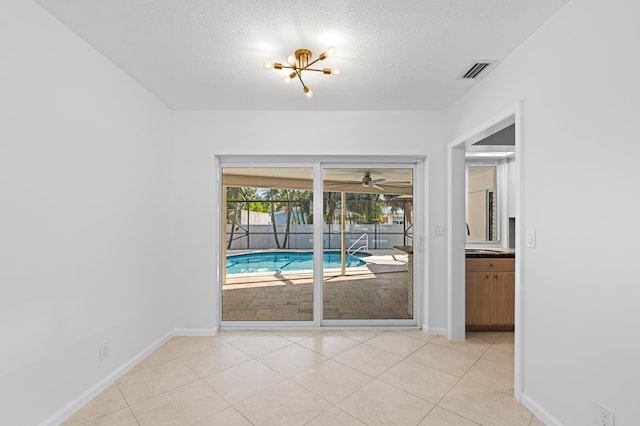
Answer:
(301, 236)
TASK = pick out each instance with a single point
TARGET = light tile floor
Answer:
(350, 377)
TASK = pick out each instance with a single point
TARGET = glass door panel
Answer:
(368, 240)
(267, 252)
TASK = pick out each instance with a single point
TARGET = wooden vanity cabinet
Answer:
(490, 293)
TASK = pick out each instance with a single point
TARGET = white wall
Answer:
(577, 79)
(84, 160)
(199, 136)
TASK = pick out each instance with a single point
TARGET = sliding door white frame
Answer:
(318, 163)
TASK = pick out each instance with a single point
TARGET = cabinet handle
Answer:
(491, 265)
(486, 276)
(495, 276)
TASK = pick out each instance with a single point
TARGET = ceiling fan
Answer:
(368, 182)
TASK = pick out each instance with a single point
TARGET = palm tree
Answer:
(301, 211)
(272, 197)
(331, 200)
(239, 196)
(364, 208)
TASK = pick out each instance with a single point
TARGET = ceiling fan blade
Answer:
(346, 185)
(395, 186)
(377, 187)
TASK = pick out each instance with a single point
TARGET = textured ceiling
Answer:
(394, 55)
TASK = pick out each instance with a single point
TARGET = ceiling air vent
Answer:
(477, 69)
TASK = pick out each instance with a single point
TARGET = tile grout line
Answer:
(459, 415)
(108, 413)
(127, 402)
(221, 396)
(225, 400)
(410, 393)
(335, 405)
(377, 377)
(460, 379)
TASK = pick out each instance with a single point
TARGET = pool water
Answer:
(277, 261)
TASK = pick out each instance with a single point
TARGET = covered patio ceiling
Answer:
(395, 181)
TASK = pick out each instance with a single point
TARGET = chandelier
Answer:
(299, 62)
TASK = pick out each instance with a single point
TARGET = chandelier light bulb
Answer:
(291, 60)
(331, 50)
(268, 65)
(308, 93)
(335, 71)
(286, 79)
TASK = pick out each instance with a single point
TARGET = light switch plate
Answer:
(531, 238)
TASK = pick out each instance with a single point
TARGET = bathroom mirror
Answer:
(482, 203)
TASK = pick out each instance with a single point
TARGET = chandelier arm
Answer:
(313, 62)
(314, 69)
(300, 77)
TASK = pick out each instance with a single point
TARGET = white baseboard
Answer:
(539, 411)
(434, 331)
(69, 409)
(195, 331)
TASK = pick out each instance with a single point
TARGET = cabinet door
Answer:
(478, 298)
(503, 299)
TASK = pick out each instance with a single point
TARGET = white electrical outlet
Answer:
(103, 351)
(604, 417)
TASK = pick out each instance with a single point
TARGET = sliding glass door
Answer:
(368, 230)
(268, 244)
(317, 244)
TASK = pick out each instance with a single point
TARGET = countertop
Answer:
(473, 252)
(489, 252)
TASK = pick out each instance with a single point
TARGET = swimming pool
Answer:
(276, 261)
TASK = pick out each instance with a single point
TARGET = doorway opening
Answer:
(494, 194)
